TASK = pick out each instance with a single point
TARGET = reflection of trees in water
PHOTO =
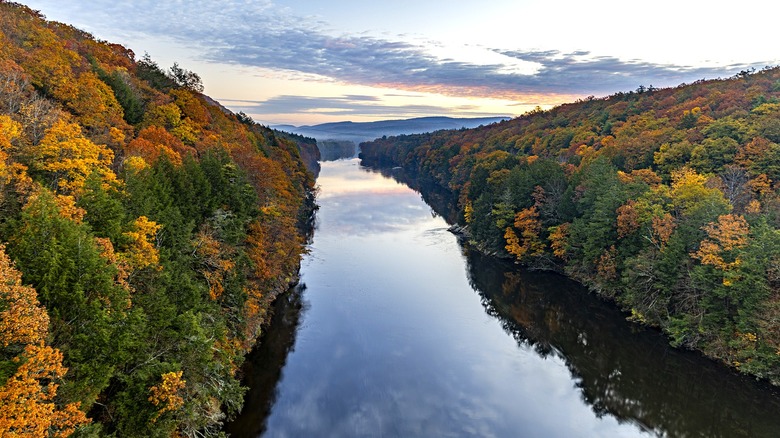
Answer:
(262, 370)
(442, 201)
(331, 150)
(622, 370)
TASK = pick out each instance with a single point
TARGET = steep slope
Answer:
(152, 226)
(666, 200)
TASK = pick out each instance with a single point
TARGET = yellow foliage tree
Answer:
(167, 394)
(68, 208)
(140, 252)
(730, 232)
(68, 158)
(22, 320)
(10, 170)
(135, 164)
(468, 212)
(559, 239)
(691, 194)
(9, 131)
(95, 105)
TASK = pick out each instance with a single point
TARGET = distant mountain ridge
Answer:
(365, 131)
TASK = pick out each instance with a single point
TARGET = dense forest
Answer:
(664, 200)
(144, 231)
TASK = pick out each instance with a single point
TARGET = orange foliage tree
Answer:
(728, 234)
(154, 141)
(627, 219)
(528, 244)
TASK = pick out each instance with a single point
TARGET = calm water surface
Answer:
(398, 331)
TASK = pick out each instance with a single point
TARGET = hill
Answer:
(665, 200)
(144, 230)
(357, 132)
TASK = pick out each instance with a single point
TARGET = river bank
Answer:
(399, 330)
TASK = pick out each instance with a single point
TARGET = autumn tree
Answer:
(559, 240)
(11, 172)
(627, 219)
(139, 251)
(728, 234)
(167, 394)
(154, 141)
(65, 158)
(528, 243)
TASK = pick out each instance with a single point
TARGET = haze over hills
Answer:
(340, 139)
(364, 131)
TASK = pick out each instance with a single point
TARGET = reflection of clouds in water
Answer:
(440, 237)
(338, 178)
(355, 201)
(397, 343)
(412, 405)
(361, 213)
(326, 408)
(472, 393)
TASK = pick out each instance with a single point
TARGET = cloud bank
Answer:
(263, 35)
(348, 106)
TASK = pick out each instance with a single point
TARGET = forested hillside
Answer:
(665, 200)
(145, 230)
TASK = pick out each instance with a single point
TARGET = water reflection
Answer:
(396, 342)
(361, 203)
(623, 370)
(264, 365)
(332, 150)
(442, 201)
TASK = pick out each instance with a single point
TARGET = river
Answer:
(398, 330)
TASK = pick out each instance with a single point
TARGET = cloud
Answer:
(265, 35)
(581, 72)
(347, 106)
(274, 38)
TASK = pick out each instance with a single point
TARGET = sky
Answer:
(304, 62)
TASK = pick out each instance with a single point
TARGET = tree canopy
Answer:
(144, 230)
(665, 200)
